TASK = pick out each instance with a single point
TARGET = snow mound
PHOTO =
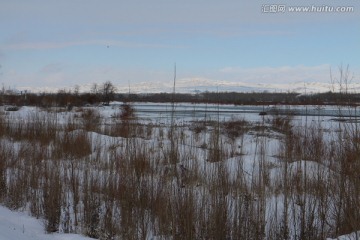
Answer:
(19, 226)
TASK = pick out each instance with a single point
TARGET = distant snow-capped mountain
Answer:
(192, 85)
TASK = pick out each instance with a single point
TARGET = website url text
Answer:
(280, 8)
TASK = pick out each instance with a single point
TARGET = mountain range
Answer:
(196, 85)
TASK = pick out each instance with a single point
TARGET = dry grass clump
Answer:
(161, 183)
(35, 127)
(91, 120)
(280, 122)
(72, 145)
(198, 127)
(235, 128)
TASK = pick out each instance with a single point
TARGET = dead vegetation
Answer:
(122, 179)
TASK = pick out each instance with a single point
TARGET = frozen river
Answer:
(186, 111)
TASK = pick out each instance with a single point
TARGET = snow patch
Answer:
(19, 226)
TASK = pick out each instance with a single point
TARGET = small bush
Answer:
(127, 112)
(235, 128)
(198, 127)
(91, 120)
(281, 123)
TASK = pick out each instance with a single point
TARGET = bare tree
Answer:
(76, 90)
(94, 88)
(108, 91)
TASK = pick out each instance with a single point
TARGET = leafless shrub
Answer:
(91, 120)
(198, 127)
(16, 187)
(52, 192)
(281, 122)
(107, 91)
(72, 145)
(2, 124)
(4, 155)
(235, 128)
(91, 202)
(132, 188)
(216, 152)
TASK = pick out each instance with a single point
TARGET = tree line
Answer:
(107, 92)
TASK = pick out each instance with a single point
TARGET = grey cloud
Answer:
(117, 12)
(163, 17)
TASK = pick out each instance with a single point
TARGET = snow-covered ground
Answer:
(242, 155)
(352, 236)
(20, 226)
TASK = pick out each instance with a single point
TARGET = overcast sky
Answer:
(73, 42)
